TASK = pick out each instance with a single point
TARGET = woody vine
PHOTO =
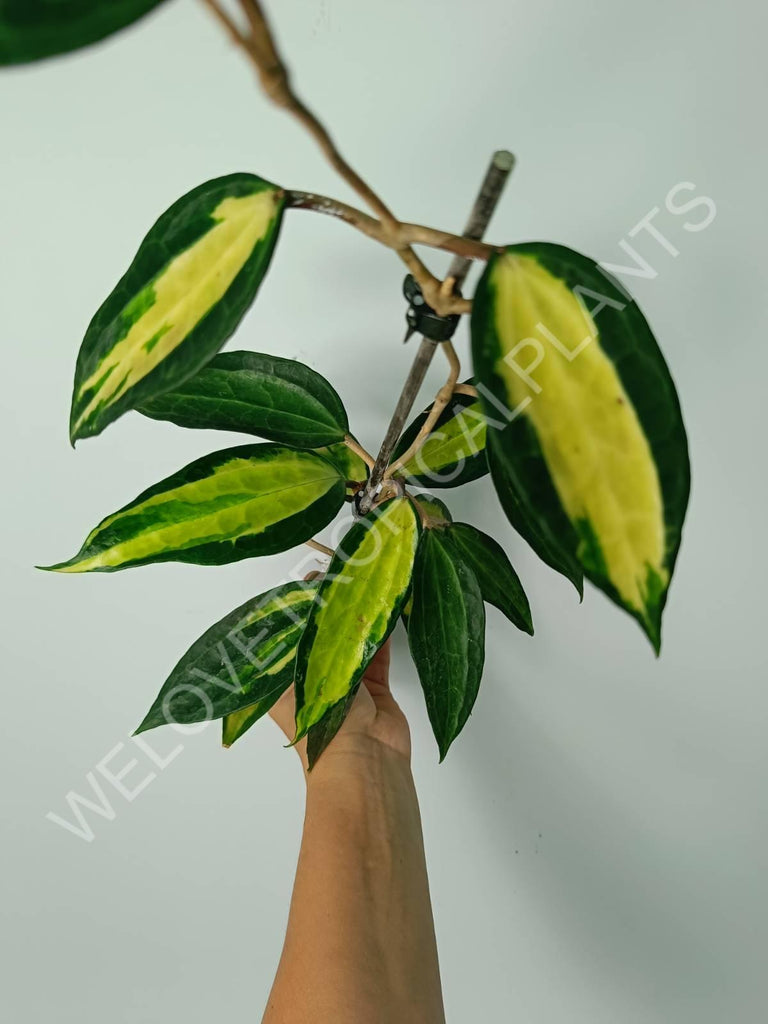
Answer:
(570, 410)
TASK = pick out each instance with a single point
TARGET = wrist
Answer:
(359, 762)
(363, 793)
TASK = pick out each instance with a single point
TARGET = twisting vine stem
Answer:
(258, 43)
(276, 83)
(358, 449)
(403, 234)
(442, 399)
(487, 199)
(317, 546)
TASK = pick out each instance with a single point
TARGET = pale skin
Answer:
(360, 943)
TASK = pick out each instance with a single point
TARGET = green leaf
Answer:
(499, 583)
(356, 608)
(242, 664)
(32, 29)
(279, 399)
(454, 451)
(236, 724)
(446, 633)
(434, 513)
(348, 463)
(593, 464)
(321, 733)
(529, 499)
(192, 280)
(251, 500)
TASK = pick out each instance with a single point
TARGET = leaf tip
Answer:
(300, 734)
(148, 723)
(56, 567)
(443, 749)
(653, 632)
(650, 620)
(74, 432)
(70, 566)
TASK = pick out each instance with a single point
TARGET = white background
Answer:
(597, 837)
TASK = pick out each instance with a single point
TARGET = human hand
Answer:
(375, 721)
(361, 878)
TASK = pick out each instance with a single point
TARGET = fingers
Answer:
(377, 672)
(282, 712)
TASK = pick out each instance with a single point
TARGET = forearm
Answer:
(360, 944)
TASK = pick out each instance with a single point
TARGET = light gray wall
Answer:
(597, 837)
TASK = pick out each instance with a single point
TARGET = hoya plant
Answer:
(570, 412)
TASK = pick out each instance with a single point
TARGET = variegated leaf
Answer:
(356, 608)
(233, 504)
(528, 497)
(348, 463)
(237, 723)
(194, 276)
(33, 29)
(240, 666)
(453, 453)
(593, 464)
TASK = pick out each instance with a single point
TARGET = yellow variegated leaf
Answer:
(454, 451)
(193, 278)
(233, 504)
(239, 667)
(356, 608)
(587, 394)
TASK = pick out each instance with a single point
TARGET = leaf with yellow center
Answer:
(192, 280)
(356, 608)
(237, 503)
(589, 453)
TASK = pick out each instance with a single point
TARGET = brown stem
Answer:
(226, 22)
(466, 389)
(496, 176)
(275, 81)
(403, 234)
(442, 399)
(400, 237)
(317, 546)
(411, 388)
(358, 449)
(444, 303)
(259, 45)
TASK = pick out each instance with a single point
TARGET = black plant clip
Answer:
(422, 319)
